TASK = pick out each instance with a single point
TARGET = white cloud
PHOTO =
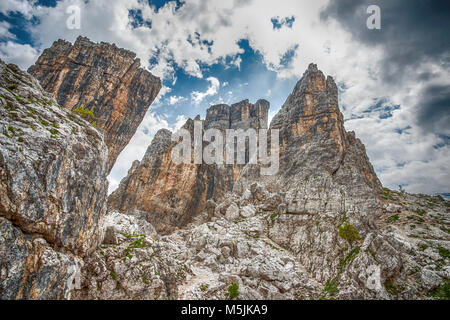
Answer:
(24, 7)
(207, 32)
(172, 100)
(4, 31)
(214, 85)
(21, 54)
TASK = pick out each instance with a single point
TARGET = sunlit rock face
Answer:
(53, 189)
(103, 78)
(173, 194)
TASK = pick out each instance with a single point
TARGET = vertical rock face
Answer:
(173, 194)
(313, 139)
(53, 188)
(102, 78)
(242, 115)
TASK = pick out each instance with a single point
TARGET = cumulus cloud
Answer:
(4, 31)
(25, 7)
(21, 54)
(172, 100)
(214, 85)
(393, 82)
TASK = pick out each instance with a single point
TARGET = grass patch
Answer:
(233, 291)
(348, 232)
(387, 194)
(445, 229)
(273, 215)
(113, 275)
(349, 258)
(87, 115)
(139, 243)
(421, 212)
(53, 131)
(443, 291)
(445, 254)
(331, 287)
(393, 218)
(11, 87)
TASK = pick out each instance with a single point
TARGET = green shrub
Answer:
(444, 252)
(113, 275)
(393, 218)
(87, 115)
(349, 232)
(273, 215)
(53, 131)
(387, 195)
(331, 286)
(421, 212)
(12, 87)
(233, 291)
(443, 291)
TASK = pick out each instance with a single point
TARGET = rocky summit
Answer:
(172, 195)
(102, 78)
(322, 227)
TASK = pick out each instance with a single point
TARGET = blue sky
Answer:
(393, 92)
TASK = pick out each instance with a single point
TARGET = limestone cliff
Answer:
(103, 78)
(172, 195)
(53, 188)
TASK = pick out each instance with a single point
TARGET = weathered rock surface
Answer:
(103, 78)
(53, 188)
(173, 194)
(278, 256)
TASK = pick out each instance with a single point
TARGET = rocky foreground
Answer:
(323, 227)
(270, 253)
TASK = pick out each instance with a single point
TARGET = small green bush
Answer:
(87, 115)
(393, 218)
(233, 291)
(113, 275)
(53, 131)
(421, 212)
(349, 232)
(273, 215)
(331, 286)
(443, 291)
(12, 87)
(444, 252)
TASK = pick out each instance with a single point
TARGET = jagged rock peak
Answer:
(160, 143)
(103, 78)
(241, 115)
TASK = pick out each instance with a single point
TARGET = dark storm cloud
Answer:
(434, 112)
(412, 32)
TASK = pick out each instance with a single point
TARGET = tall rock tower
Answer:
(102, 78)
(172, 195)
